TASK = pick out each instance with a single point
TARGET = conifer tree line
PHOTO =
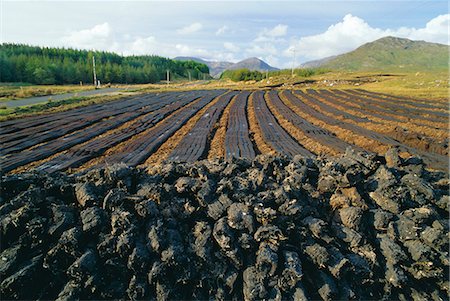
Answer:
(46, 65)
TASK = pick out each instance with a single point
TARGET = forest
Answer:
(242, 75)
(47, 66)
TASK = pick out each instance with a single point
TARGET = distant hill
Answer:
(317, 63)
(389, 54)
(215, 68)
(252, 64)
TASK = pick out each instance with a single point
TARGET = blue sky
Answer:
(223, 30)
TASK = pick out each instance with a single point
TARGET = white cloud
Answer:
(222, 30)
(194, 27)
(272, 60)
(436, 30)
(102, 37)
(262, 50)
(98, 37)
(231, 47)
(353, 31)
(278, 31)
(272, 34)
(141, 46)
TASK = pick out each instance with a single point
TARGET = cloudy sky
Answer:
(223, 30)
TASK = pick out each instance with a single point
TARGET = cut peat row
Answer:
(260, 145)
(343, 106)
(237, 139)
(398, 109)
(49, 121)
(137, 150)
(420, 136)
(216, 147)
(273, 133)
(80, 154)
(193, 146)
(421, 103)
(376, 115)
(314, 107)
(18, 124)
(316, 139)
(79, 151)
(64, 126)
(384, 142)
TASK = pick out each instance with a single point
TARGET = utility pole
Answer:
(293, 62)
(168, 78)
(95, 75)
(189, 72)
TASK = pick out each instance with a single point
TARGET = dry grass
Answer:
(18, 91)
(167, 147)
(217, 147)
(310, 144)
(255, 130)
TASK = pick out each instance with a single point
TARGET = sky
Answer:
(282, 33)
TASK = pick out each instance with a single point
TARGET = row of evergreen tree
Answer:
(44, 65)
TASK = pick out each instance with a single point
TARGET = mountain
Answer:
(389, 54)
(215, 68)
(317, 63)
(252, 63)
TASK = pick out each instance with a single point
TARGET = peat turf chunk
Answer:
(266, 259)
(253, 287)
(240, 217)
(93, 219)
(17, 286)
(391, 250)
(83, 267)
(351, 217)
(216, 209)
(63, 219)
(392, 158)
(318, 254)
(85, 194)
(202, 245)
(292, 272)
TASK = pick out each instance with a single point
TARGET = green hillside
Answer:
(45, 65)
(392, 54)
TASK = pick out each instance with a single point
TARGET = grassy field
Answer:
(431, 85)
(427, 85)
(11, 91)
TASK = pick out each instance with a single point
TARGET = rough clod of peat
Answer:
(358, 226)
